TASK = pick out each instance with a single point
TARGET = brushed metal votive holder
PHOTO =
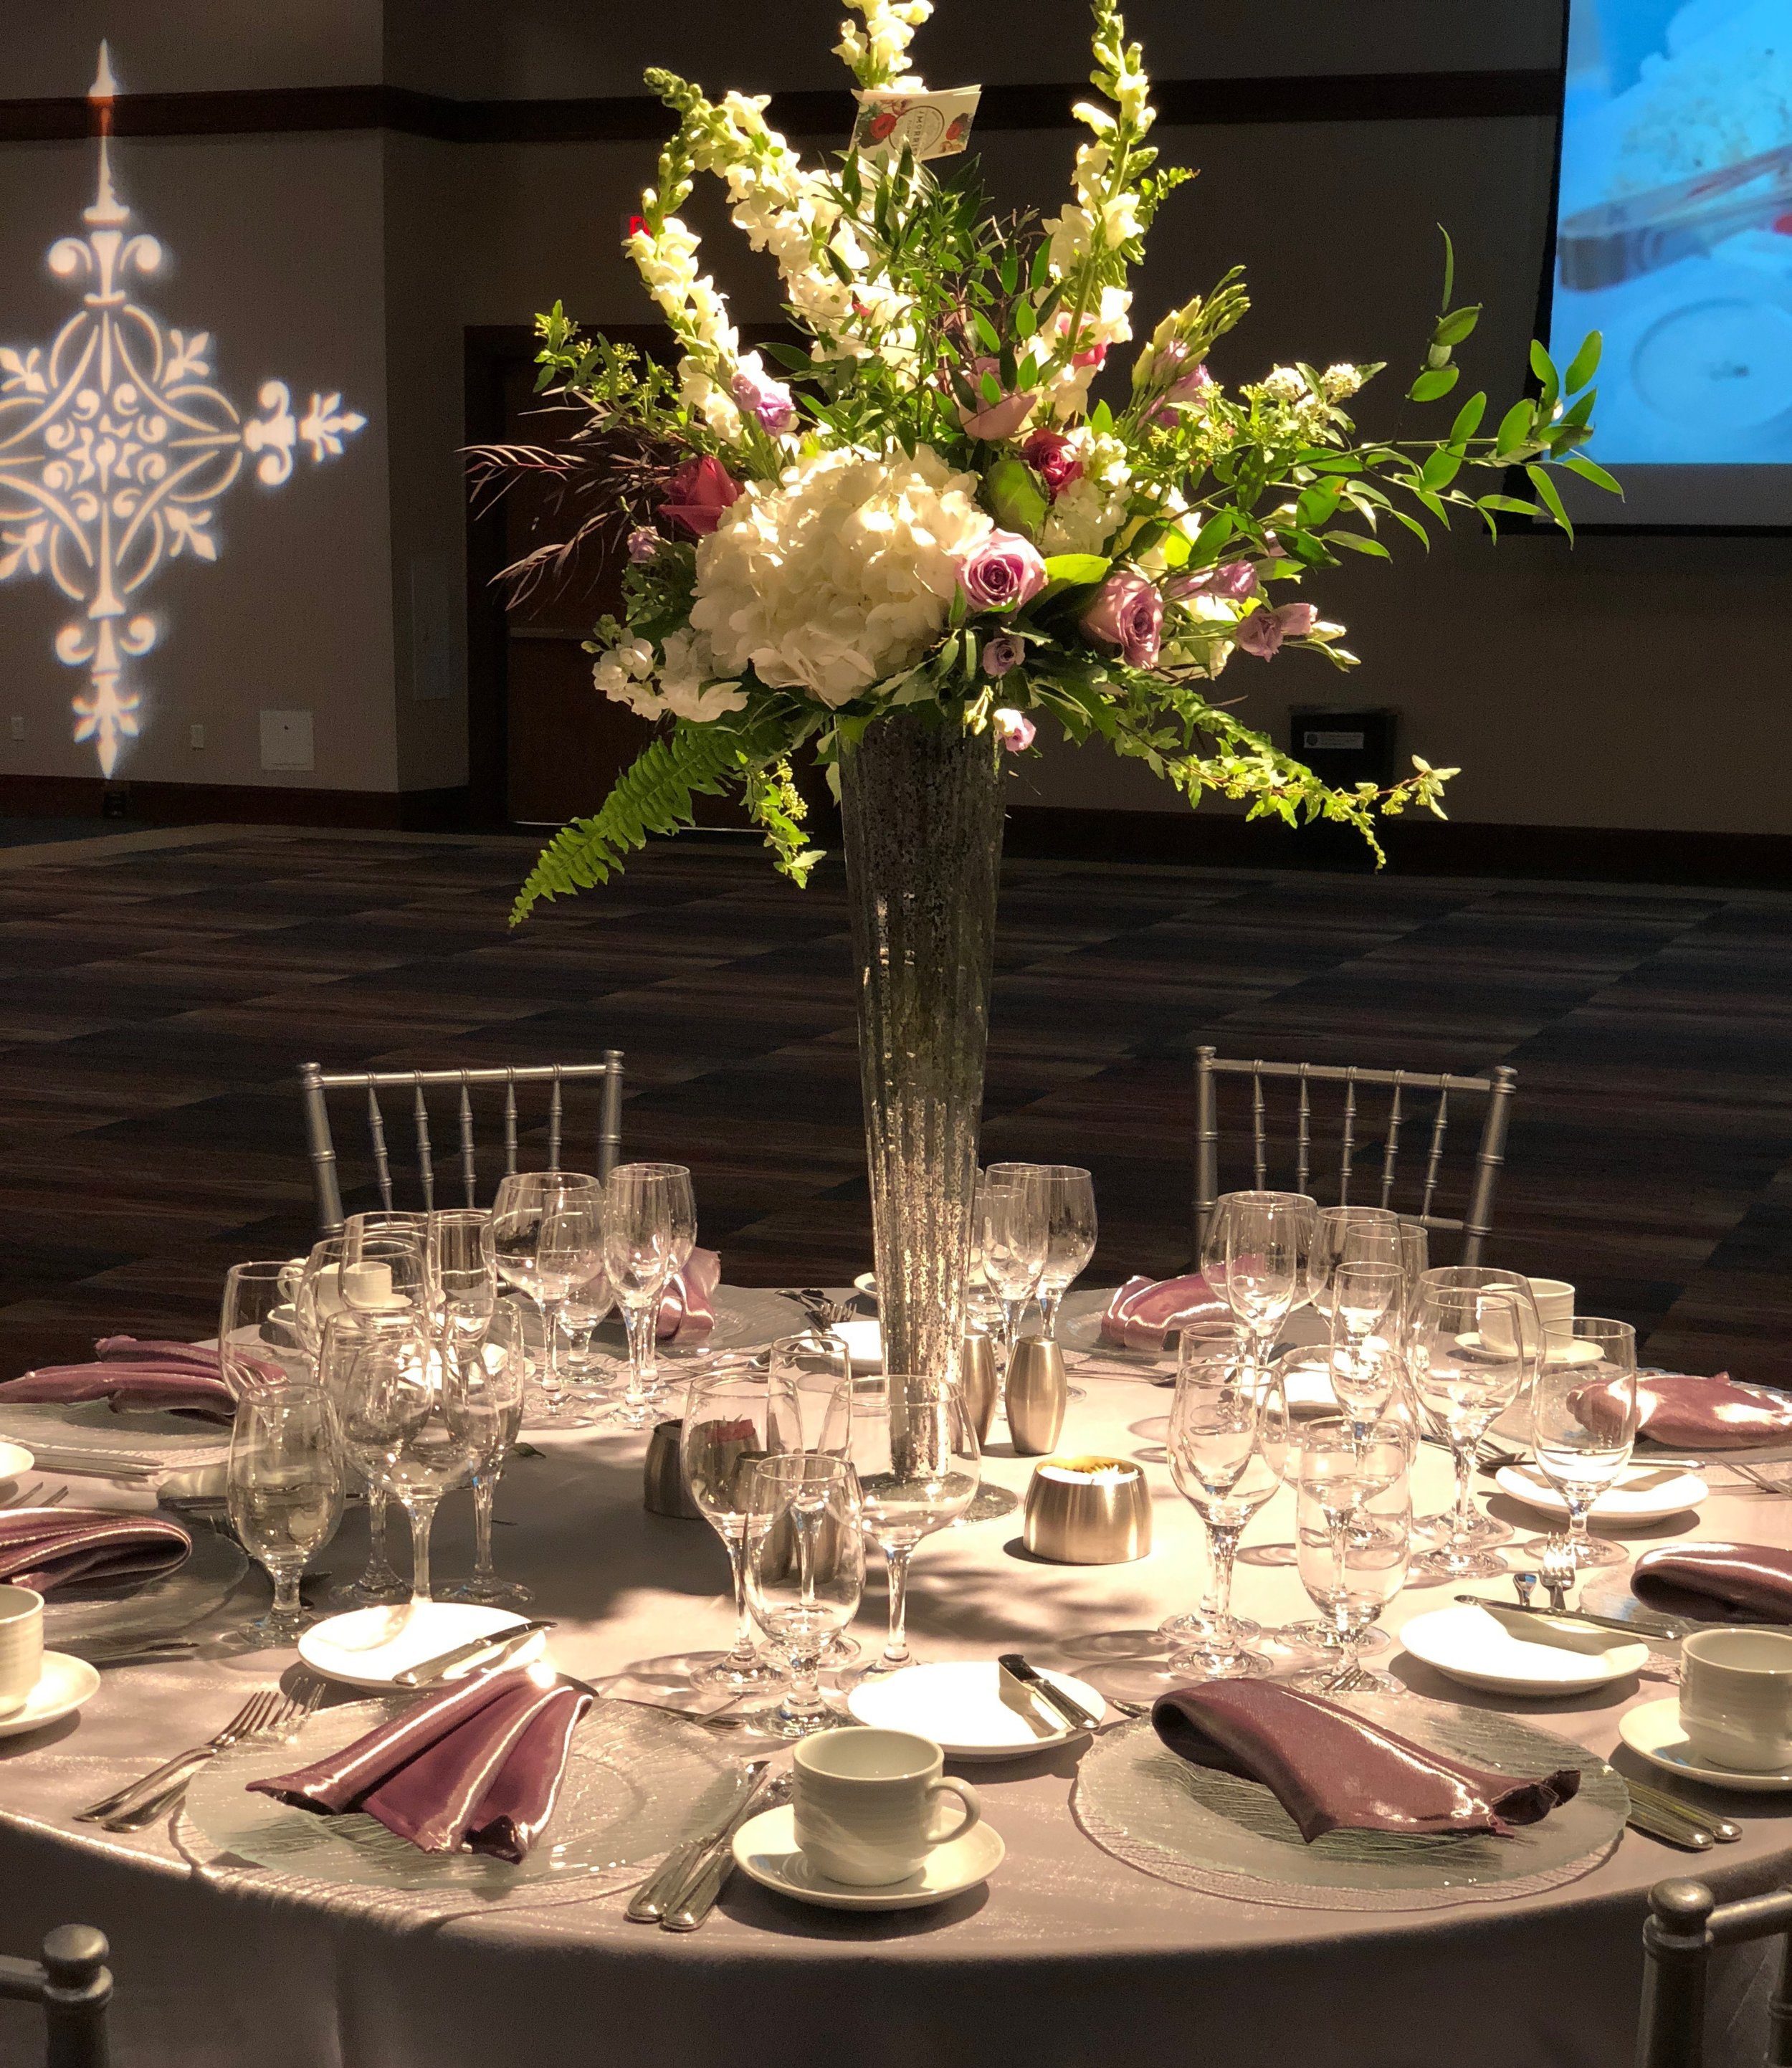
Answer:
(1088, 1511)
(1038, 1393)
(977, 1383)
(663, 1488)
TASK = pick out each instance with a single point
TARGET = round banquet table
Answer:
(1066, 1957)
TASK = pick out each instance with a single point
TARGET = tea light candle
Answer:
(1089, 1511)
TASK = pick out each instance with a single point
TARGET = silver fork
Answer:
(259, 1705)
(24, 1496)
(289, 1711)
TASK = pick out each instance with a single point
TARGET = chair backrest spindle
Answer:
(470, 1174)
(1260, 1136)
(1393, 1151)
(425, 1159)
(376, 1125)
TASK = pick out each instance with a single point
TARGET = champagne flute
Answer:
(1070, 1236)
(1354, 1532)
(1014, 1243)
(1583, 1426)
(1217, 1461)
(283, 1493)
(916, 1455)
(650, 1229)
(1468, 1362)
(485, 1380)
(805, 1574)
(546, 1238)
(734, 1416)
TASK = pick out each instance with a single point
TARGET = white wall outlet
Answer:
(18, 726)
(197, 735)
(286, 739)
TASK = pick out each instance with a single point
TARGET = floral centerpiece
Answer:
(947, 515)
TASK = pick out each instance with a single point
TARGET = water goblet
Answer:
(649, 1229)
(1583, 1427)
(379, 1583)
(319, 1297)
(283, 1493)
(814, 1372)
(1012, 1202)
(1354, 1532)
(485, 1378)
(1254, 1254)
(804, 1556)
(1470, 1352)
(547, 1238)
(1365, 1330)
(1348, 1234)
(259, 1340)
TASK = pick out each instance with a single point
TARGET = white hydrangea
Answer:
(626, 672)
(839, 574)
(1083, 518)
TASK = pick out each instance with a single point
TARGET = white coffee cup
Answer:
(1736, 1697)
(865, 1801)
(21, 1647)
(1554, 1299)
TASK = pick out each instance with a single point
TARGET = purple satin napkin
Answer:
(688, 1307)
(180, 1377)
(1332, 1770)
(477, 1770)
(1717, 1582)
(47, 1548)
(1146, 1310)
(1718, 1414)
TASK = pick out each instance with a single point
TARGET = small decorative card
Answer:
(932, 125)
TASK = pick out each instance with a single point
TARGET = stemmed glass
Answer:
(1353, 1530)
(547, 1238)
(1582, 1459)
(805, 1574)
(1348, 1234)
(916, 1455)
(345, 1335)
(1070, 1232)
(1254, 1254)
(814, 1374)
(1012, 1201)
(486, 1379)
(581, 1313)
(385, 1274)
(1217, 1461)
(319, 1297)
(259, 1340)
(650, 1231)
(284, 1492)
(1470, 1351)
(1485, 1530)
(734, 1416)
(1365, 1303)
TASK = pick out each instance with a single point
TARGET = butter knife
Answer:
(1665, 1628)
(499, 1643)
(648, 1904)
(696, 1900)
(1067, 1705)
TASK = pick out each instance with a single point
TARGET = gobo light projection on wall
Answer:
(115, 446)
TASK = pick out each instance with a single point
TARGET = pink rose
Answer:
(1233, 579)
(698, 493)
(1263, 632)
(1049, 454)
(1015, 730)
(1127, 612)
(997, 419)
(1001, 654)
(1001, 572)
(763, 398)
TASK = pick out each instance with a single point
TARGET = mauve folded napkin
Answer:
(477, 1770)
(131, 1374)
(47, 1548)
(1715, 1414)
(1146, 1310)
(688, 1307)
(1717, 1582)
(1333, 1770)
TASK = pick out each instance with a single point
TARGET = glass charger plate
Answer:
(1222, 1836)
(1079, 1329)
(748, 1318)
(149, 1608)
(92, 1432)
(636, 1784)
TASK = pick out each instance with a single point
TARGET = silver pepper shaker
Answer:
(1038, 1393)
(977, 1383)
(663, 1488)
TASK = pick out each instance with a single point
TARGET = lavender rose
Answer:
(1235, 580)
(1001, 654)
(1000, 419)
(1127, 612)
(1263, 632)
(644, 542)
(1001, 572)
(761, 396)
(1015, 730)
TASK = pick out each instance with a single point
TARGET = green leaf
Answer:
(1547, 489)
(1010, 273)
(1449, 266)
(1211, 536)
(1591, 470)
(788, 355)
(1359, 544)
(1026, 322)
(985, 329)
(990, 388)
(1013, 497)
(1544, 367)
(1511, 503)
(1468, 420)
(1439, 469)
(1459, 324)
(1076, 570)
(1434, 382)
(1585, 362)
(1101, 419)
(1515, 428)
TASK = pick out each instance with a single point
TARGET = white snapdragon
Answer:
(695, 307)
(877, 54)
(840, 573)
(1065, 391)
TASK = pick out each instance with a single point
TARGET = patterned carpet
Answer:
(155, 1000)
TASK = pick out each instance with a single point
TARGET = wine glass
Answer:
(650, 1229)
(318, 1298)
(983, 1311)
(814, 1372)
(485, 1378)
(1219, 1468)
(1254, 1254)
(1070, 1232)
(581, 1313)
(916, 1455)
(284, 1492)
(1012, 1201)
(1470, 1352)
(1353, 1530)
(259, 1340)
(462, 1270)
(379, 1583)
(734, 1416)
(1485, 1530)
(1365, 1302)
(805, 1574)
(1349, 1234)
(392, 1410)
(385, 1274)
(547, 1238)
(1583, 1458)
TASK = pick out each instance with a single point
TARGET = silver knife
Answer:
(1670, 1830)
(1068, 1707)
(501, 1642)
(1667, 1629)
(648, 1904)
(1721, 1828)
(694, 1901)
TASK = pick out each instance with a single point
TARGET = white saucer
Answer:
(765, 1847)
(959, 1704)
(1484, 1649)
(866, 1282)
(14, 1460)
(1643, 1493)
(1569, 1352)
(366, 1648)
(1653, 1730)
(63, 1685)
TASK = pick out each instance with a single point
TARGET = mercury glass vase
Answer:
(921, 803)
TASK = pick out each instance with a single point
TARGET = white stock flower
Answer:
(878, 52)
(838, 574)
(684, 684)
(622, 674)
(1285, 384)
(1338, 381)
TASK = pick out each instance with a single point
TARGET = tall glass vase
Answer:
(921, 803)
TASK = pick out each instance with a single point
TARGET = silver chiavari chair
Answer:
(1685, 1921)
(73, 1986)
(315, 1084)
(1368, 1157)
